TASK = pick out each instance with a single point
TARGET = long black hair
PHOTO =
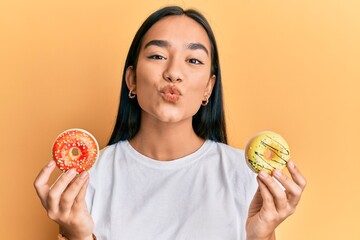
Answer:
(208, 122)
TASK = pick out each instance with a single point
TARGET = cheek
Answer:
(146, 90)
(146, 78)
(198, 85)
(195, 96)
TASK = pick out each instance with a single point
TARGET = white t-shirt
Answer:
(203, 196)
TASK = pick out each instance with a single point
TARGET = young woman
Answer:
(167, 172)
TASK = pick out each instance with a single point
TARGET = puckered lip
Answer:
(173, 90)
(170, 93)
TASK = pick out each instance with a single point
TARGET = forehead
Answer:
(177, 30)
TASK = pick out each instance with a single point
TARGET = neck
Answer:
(166, 141)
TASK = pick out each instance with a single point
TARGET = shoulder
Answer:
(231, 155)
(109, 150)
(241, 175)
(229, 150)
(106, 159)
(106, 153)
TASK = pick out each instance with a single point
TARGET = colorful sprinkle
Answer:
(75, 148)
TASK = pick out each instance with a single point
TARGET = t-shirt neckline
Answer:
(176, 163)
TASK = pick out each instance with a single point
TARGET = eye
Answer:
(156, 57)
(194, 61)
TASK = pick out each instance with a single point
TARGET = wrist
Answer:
(269, 237)
(63, 237)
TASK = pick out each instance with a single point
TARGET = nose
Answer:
(173, 72)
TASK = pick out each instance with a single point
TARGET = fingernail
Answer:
(291, 164)
(51, 163)
(83, 175)
(263, 174)
(71, 172)
(278, 173)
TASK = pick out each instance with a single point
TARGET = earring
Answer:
(131, 94)
(205, 102)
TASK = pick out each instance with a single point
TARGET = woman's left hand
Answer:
(271, 204)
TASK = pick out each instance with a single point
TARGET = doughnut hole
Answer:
(75, 152)
(268, 154)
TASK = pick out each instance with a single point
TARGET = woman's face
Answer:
(172, 76)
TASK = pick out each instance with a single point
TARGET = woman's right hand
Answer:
(65, 202)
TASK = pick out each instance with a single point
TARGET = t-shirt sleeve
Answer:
(244, 183)
(91, 189)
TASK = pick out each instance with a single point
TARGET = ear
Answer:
(209, 86)
(131, 78)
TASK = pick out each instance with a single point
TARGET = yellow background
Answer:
(288, 66)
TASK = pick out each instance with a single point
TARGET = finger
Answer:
(58, 189)
(80, 198)
(82, 193)
(267, 197)
(277, 193)
(296, 175)
(293, 191)
(72, 191)
(258, 197)
(256, 203)
(41, 182)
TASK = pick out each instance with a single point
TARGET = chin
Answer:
(169, 114)
(172, 117)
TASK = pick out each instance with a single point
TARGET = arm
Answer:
(271, 205)
(65, 203)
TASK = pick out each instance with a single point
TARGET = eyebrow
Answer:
(163, 43)
(159, 43)
(195, 46)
